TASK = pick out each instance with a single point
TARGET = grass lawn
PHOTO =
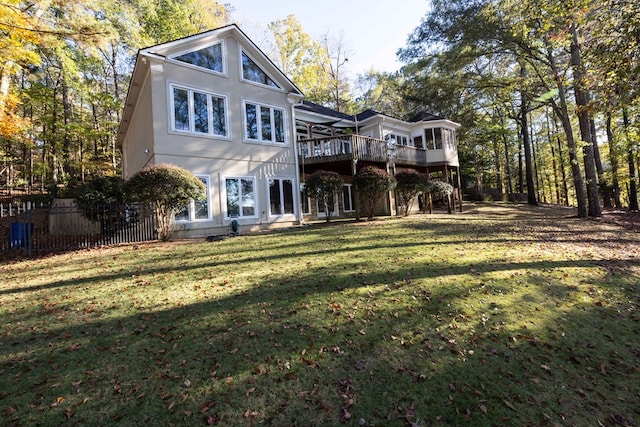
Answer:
(502, 315)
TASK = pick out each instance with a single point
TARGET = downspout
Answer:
(293, 102)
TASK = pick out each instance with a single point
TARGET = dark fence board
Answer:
(43, 231)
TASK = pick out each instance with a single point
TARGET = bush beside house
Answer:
(371, 183)
(169, 188)
(324, 185)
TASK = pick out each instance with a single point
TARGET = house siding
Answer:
(216, 157)
(140, 136)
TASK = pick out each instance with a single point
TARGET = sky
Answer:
(373, 30)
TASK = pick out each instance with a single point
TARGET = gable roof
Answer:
(163, 50)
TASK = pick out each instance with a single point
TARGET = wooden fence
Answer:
(63, 226)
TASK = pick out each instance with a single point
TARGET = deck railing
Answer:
(351, 147)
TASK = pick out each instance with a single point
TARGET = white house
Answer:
(216, 105)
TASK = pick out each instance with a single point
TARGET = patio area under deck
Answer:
(342, 152)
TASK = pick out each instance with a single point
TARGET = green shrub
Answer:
(169, 188)
(324, 185)
(409, 184)
(371, 183)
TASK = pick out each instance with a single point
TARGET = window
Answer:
(450, 139)
(305, 203)
(196, 210)
(209, 57)
(198, 112)
(241, 197)
(399, 139)
(437, 132)
(417, 142)
(251, 72)
(280, 196)
(321, 211)
(347, 198)
(264, 123)
(433, 138)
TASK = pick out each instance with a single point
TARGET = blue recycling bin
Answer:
(20, 234)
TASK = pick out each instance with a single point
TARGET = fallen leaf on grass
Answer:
(483, 409)
(509, 405)
(206, 406)
(346, 416)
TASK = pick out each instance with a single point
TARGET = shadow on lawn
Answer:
(313, 347)
(335, 343)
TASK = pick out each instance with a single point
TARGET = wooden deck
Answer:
(357, 147)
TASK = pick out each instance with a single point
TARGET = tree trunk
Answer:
(633, 189)
(520, 166)
(563, 170)
(539, 181)
(554, 164)
(562, 111)
(505, 141)
(582, 107)
(524, 108)
(602, 178)
(496, 153)
(614, 161)
(66, 120)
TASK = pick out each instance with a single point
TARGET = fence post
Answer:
(28, 234)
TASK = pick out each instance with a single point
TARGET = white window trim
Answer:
(350, 186)
(293, 191)
(222, 73)
(191, 89)
(251, 82)
(336, 207)
(192, 204)
(223, 184)
(303, 195)
(259, 123)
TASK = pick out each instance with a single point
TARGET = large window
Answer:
(450, 139)
(210, 57)
(198, 112)
(241, 197)
(264, 123)
(347, 198)
(433, 138)
(196, 210)
(280, 196)
(252, 72)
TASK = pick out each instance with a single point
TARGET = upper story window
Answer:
(198, 112)
(449, 139)
(436, 138)
(433, 138)
(252, 72)
(399, 139)
(210, 57)
(264, 123)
